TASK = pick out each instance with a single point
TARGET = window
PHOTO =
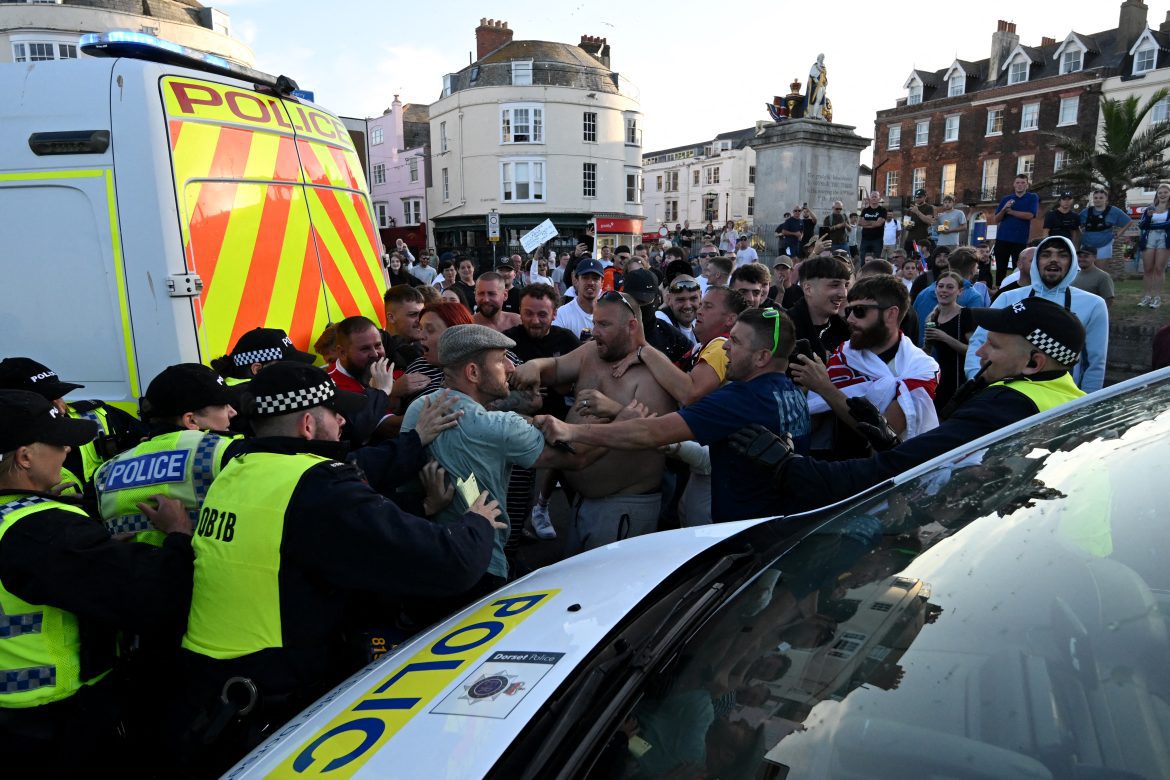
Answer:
(1068, 110)
(659, 185)
(672, 181)
(1018, 71)
(412, 211)
(751, 174)
(382, 210)
(379, 173)
(891, 184)
(590, 130)
(894, 137)
(412, 163)
(521, 73)
(994, 121)
(957, 85)
(918, 180)
(442, 136)
(1144, 59)
(446, 186)
(1060, 160)
(710, 208)
(922, 132)
(711, 174)
(946, 183)
(522, 124)
(1160, 112)
(448, 84)
(696, 183)
(589, 180)
(1070, 61)
(914, 96)
(751, 206)
(990, 182)
(1029, 117)
(951, 128)
(522, 180)
(672, 211)
(43, 51)
(1025, 165)
(633, 186)
(376, 136)
(633, 134)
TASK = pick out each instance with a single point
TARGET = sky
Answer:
(699, 72)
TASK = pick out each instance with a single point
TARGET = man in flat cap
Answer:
(1026, 360)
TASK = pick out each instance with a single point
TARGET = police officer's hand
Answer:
(766, 450)
(436, 416)
(167, 515)
(872, 424)
(439, 492)
(382, 376)
(488, 509)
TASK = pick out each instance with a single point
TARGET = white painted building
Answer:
(39, 30)
(709, 181)
(536, 130)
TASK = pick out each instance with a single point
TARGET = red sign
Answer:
(619, 226)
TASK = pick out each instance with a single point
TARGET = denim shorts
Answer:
(1157, 239)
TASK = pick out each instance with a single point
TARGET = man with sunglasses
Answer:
(878, 363)
(758, 391)
(620, 494)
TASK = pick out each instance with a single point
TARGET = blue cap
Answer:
(590, 266)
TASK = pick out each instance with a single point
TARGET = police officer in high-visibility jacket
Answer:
(189, 408)
(1031, 347)
(288, 534)
(65, 587)
(117, 430)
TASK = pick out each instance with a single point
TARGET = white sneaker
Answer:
(541, 522)
(1156, 302)
(1145, 301)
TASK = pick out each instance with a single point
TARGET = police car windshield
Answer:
(1004, 610)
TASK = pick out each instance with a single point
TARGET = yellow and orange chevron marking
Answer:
(277, 225)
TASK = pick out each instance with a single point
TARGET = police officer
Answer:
(1031, 347)
(287, 534)
(117, 430)
(254, 350)
(189, 409)
(65, 586)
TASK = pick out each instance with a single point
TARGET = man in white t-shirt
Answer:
(744, 254)
(893, 229)
(576, 316)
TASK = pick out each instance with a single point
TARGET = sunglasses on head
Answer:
(774, 315)
(683, 286)
(860, 310)
(613, 296)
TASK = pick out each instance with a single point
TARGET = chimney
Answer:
(489, 36)
(1165, 26)
(1132, 21)
(1002, 43)
(396, 110)
(591, 44)
(1046, 41)
(604, 53)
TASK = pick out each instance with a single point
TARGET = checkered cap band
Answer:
(1053, 348)
(295, 400)
(258, 356)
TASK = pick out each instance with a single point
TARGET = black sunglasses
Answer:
(683, 286)
(860, 310)
(708, 254)
(613, 296)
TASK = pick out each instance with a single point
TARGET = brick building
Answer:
(967, 129)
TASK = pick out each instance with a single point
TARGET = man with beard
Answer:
(619, 494)
(825, 283)
(361, 367)
(682, 304)
(490, 295)
(878, 363)
(1054, 267)
(758, 391)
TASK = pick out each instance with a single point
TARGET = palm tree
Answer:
(1124, 159)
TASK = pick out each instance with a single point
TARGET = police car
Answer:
(997, 613)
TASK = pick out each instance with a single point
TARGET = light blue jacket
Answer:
(1089, 373)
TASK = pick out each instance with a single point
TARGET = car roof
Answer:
(477, 678)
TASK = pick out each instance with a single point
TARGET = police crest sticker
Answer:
(500, 683)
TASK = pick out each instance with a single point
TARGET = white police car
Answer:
(999, 613)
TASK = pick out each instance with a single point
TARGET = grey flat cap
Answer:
(462, 341)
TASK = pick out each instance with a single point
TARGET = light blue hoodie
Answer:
(1089, 372)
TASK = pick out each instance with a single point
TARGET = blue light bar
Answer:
(141, 46)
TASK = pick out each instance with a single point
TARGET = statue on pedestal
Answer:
(814, 104)
(815, 99)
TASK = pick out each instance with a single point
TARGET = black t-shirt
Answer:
(807, 228)
(919, 229)
(664, 337)
(870, 213)
(1059, 223)
(512, 302)
(559, 341)
(684, 238)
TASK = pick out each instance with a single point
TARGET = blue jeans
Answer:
(872, 246)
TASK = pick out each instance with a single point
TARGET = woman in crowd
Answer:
(1154, 243)
(538, 271)
(396, 270)
(948, 329)
(435, 318)
(448, 282)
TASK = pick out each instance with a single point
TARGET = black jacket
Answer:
(824, 339)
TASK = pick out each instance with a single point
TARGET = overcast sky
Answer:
(699, 71)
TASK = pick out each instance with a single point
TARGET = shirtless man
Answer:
(620, 493)
(490, 294)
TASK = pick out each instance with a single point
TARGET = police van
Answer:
(1000, 612)
(157, 202)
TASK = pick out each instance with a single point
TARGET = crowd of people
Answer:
(198, 574)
